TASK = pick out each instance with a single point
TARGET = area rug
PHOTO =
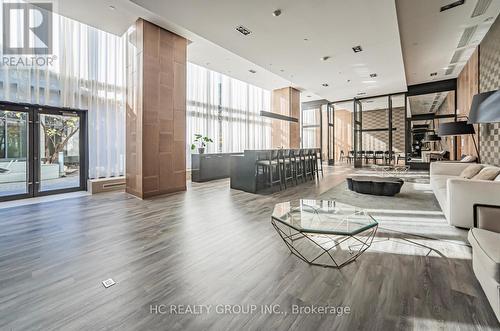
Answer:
(414, 211)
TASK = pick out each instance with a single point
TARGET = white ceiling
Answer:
(276, 49)
(430, 38)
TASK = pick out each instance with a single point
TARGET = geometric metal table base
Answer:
(322, 249)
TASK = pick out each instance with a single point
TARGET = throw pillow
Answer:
(471, 171)
(487, 173)
(468, 158)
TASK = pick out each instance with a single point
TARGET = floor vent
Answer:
(466, 36)
(456, 56)
(481, 7)
(450, 70)
(108, 282)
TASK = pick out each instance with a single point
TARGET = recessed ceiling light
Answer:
(277, 12)
(373, 75)
(306, 39)
(348, 80)
(324, 58)
(252, 71)
(112, 7)
(324, 85)
(282, 70)
(309, 96)
(244, 31)
(357, 49)
(433, 74)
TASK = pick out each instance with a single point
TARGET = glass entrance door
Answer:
(42, 151)
(15, 175)
(59, 151)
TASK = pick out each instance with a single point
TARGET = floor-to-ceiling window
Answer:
(87, 72)
(226, 110)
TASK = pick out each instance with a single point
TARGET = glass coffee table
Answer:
(324, 232)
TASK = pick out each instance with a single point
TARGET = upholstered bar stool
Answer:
(319, 162)
(286, 165)
(298, 161)
(268, 161)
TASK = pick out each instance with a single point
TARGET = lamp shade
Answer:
(485, 108)
(455, 129)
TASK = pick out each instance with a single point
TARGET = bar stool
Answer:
(309, 165)
(286, 165)
(318, 157)
(298, 157)
(268, 162)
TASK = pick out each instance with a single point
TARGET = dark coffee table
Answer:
(375, 185)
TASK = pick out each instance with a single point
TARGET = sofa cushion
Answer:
(487, 173)
(487, 250)
(471, 171)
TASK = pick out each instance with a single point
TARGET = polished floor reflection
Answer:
(212, 245)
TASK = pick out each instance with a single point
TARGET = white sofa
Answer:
(457, 195)
(484, 238)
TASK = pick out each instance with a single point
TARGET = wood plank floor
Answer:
(215, 246)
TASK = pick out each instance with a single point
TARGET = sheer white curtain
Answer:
(240, 125)
(88, 73)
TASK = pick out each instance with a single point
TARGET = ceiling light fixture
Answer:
(277, 12)
(373, 75)
(306, 39)
(433, 74)
(112, 7)
(357, 49)
(252, 71)
(244, 31)
(324, 58)
(324, 85)
(309, 96)
(452, 5)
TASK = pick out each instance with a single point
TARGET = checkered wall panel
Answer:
(489, 79)
(379, 140)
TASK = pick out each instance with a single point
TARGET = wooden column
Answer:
(156, 111)
(286, 101)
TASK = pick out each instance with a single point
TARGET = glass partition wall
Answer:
(426, 111)
(373, 132)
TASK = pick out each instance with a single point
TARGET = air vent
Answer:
(466, 36)
(244, 31)
(456, 56)
(481, 7)
(449, 71)
(452, 5)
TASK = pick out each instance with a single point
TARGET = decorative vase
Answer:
(201, 150)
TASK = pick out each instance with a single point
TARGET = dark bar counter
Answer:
(205, 167)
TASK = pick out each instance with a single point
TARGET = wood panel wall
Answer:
(467, 87)
(156, 111)
(285, 101)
